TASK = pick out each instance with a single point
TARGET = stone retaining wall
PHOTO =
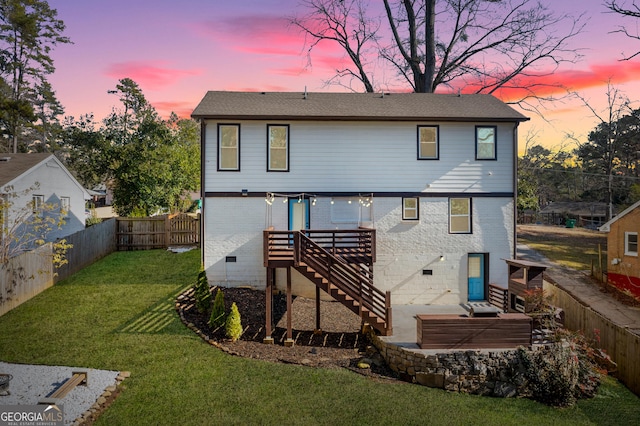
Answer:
(484, 372)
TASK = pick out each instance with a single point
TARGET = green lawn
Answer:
(118, 315)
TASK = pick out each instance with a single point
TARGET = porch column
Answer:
(318, 330)
(269, 296)
(289, 340)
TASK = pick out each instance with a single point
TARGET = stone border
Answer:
(103, 402)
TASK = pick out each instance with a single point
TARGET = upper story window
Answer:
(37, 202)
(631, 243)
(410, 209)
(278, 150)
(460, 215)
(228, 147)
(486, 142)
(428, 147)
(65, 205)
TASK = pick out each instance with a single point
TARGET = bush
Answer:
(218, 315)
(202, 293)
(233, 325)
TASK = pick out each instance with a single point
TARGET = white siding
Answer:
(363, 157)
(404, 248)
(55, 182)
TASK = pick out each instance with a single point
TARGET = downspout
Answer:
(203, 127)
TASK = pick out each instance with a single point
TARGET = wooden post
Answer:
(269, 295)
(167, 230)
(289, 340)
(318, 330)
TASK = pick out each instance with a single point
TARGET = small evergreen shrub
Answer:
(202, 293)
(233, 325)
(218, 314)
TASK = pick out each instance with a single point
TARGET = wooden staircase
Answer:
(341, 264)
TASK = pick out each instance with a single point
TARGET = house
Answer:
(52, 183)
(623, 270)
(414, 192)
(587, 214)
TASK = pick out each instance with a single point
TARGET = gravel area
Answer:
(31, 383)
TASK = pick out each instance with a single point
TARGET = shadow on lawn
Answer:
(159, 318)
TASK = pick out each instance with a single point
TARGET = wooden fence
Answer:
(145, 233)
(621, 344)
(25, 276)
(89, 245)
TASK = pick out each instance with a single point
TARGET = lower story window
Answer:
(631, 243)
(410, 209)
(460, 215)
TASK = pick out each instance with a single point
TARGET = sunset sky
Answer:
(176, 51)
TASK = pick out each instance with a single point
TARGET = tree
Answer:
(481, 46)
(25, 226)
(600, 155)
(626, 11)
(28, 31)
(150, 163)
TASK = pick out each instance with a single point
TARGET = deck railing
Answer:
(499, 297)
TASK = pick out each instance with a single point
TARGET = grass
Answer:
(118, 315)
(575, 248)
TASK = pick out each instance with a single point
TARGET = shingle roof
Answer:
(354, 106)
(17, 164)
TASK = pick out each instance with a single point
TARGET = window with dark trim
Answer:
(410, 208)
(278, 148)
(228, 147)
(428, 146)
(460, 215)
(486, 142)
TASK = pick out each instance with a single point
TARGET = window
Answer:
(350, 210)
(278, 151)
(37, 201)
(65, 205)
(631, 243)
(410, 209)
(460, 215)
(428, 142)
(486, 142)
(229, 147)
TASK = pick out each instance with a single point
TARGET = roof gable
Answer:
(607, 226)
(354, 106)
(14, 166)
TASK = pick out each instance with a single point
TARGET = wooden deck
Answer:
(450, 331)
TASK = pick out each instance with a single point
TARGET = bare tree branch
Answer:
(631, 11)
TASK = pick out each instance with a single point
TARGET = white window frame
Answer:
(422, 143)
(37, 202)
(481, 142)
(453, 216)
(411, 213)
(224, 150)
(628, 245)
(65, 205)
(270, 148)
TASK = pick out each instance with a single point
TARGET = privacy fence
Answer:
(620, 343)
(32, 272)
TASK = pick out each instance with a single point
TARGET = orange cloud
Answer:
(181, 108)
(561, 82)
(153, 75)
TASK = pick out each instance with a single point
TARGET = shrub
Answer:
(202, 293)
(233, 325)
(217, 318)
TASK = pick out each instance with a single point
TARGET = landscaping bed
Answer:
(340, 344)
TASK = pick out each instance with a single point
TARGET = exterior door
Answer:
(298, 214)
(476, 269)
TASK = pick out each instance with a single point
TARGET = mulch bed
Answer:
(340, 344)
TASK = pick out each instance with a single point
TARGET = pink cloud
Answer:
(153, 75)
(181, 108)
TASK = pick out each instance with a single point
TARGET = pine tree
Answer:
(218, 316)
(233, 326)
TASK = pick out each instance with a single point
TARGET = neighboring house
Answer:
(623, 269)
(56, 185)
(423, 184)
(587, 214)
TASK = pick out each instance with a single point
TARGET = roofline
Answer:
(355, 118)
(607, 226)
